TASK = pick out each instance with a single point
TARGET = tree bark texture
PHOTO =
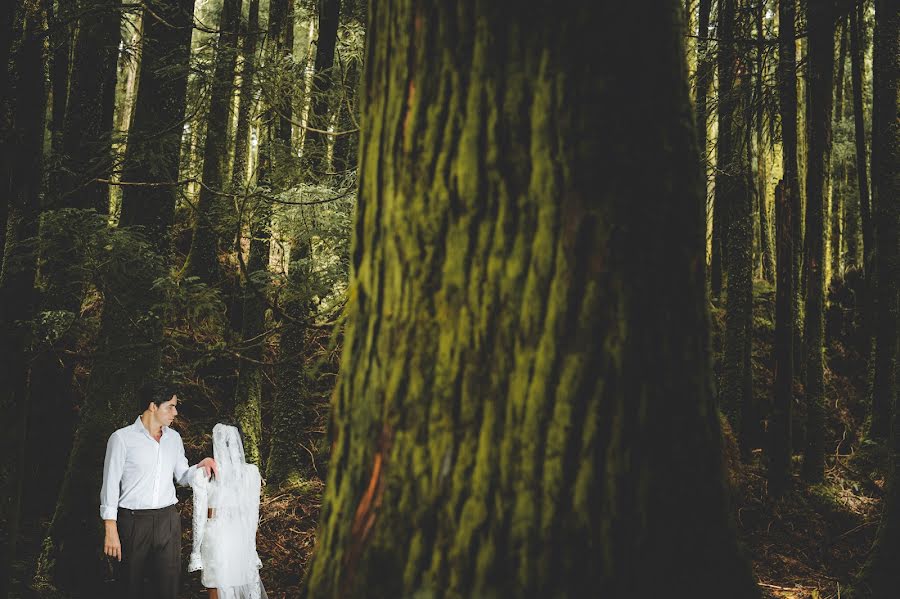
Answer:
(820, 17)
(495, 430)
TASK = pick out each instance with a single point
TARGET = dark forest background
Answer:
(571, 299)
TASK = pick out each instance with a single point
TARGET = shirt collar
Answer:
(140, 426)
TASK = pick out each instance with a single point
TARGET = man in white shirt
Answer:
(137, 499)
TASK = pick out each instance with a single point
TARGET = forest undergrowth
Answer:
(811, 543)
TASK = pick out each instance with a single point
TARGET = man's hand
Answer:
(111, 544)
(209, 465)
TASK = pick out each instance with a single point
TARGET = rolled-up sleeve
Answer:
(113, 465)
(182, 470)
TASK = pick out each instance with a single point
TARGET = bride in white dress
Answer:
(226, 515)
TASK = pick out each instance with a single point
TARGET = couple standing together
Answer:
(143, 527)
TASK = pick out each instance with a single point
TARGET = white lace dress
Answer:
(224, 547)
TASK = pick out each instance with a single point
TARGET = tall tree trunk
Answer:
(62, 17)
(880, 576)
(521, 450)
(780, 445)
(248, 394)
(315, 148)
(705, 65)
(885, 198)
(87, 155)
(857, 65)
(762, 175)
(838, 187)
(726, 169)
(131, 323)
(346, 143)
(820, 17)
(246, 100)
(17, 290)
(289, 459)
(208, 225)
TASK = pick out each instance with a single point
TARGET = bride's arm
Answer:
(200, 485)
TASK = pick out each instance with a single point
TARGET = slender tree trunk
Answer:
(838, 187)
(821, 22)
(248, 395)
(492, 447)
(857, 68)
(62, 20)
(780, 446)
(246, 101)
(208, 225)
(128, 351)
(738, 194)
(346, 143)
(703, 80)
(885, 198)
(762, 175)
(315, 148)
(292, 418)
(17, 291)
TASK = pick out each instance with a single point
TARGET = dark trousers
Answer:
(151, 549)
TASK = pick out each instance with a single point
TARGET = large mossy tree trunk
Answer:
(821, 22)
(885, 198)
(496, 430)
(128, 350)
(780, 432)
(87, 156)
(19, 263)
(209, 227)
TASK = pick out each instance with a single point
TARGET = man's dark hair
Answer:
(156, 392)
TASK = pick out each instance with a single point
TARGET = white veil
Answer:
(225, 544)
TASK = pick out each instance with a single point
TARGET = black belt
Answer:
(146, 512)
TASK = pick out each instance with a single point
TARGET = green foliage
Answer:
(317, 221)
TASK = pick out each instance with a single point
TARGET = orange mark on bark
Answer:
(362, 521)
(366, 511)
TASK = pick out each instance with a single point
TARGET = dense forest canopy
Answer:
(579, 298)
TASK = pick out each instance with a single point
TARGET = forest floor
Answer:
(812, 542)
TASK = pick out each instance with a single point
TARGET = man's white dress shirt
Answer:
(138, 472)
